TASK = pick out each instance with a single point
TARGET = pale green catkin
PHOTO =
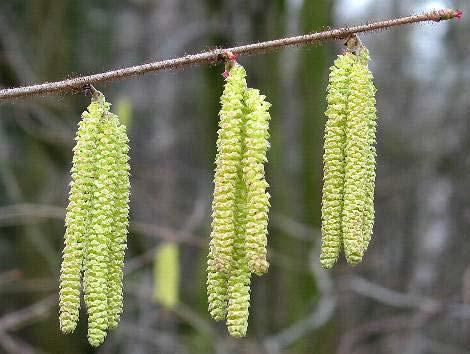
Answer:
(371, 112)
(77, 219)
(229, 154)
(95, 278)
(96, 222)
(357, 200)
(241, 203)
(254, 156)
(216, 290)
(120, 185)
(349, 160)
(166, 275)
(334, 159)
(240, 276)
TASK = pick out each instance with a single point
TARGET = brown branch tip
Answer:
(228, 55)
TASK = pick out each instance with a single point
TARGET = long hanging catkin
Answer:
(349, 159)
(77, 220)
(254, 156)
(241, 203)
(96, 222)
(371, 112)
(358, 212)
(97, 243)
(119, 178)
(240, 276)
(229, 155)
(334, 159)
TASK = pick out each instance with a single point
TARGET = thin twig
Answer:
(217, 55)
(16, 319)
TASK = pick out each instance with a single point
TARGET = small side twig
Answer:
(214, 56)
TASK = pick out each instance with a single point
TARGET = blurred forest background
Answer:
(411, 295)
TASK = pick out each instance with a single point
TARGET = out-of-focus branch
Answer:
(218, 55)
(19, 318)
(323, 311)
(14, 346)
(29, 213)
(390, 324)
(394, 298)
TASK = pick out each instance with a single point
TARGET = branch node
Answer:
(90, 91)
(229, 56)
(230, 60)
(447, 14)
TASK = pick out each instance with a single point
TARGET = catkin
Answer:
(349, 160)
(240, 276)
(241, 202)
(96, 222)
(371, 112)
(120, 212)
(355, 169)
(229, 155)
(254, 156)
(95, 278)
(216, 290)
(334, 159)
(77, 219)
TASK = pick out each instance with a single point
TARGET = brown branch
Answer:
(217, 55)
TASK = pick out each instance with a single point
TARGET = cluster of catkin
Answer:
(96, 223)
(241, 203)
(349, 159)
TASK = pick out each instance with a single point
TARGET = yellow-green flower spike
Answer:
(166, 272)
(77, 220)
(256, 134)
(216, 291)
(357, 156)
(371, 112)
(241, 203)
(119, 182)
(229, 154)
(349, 159)
(334, 159)
(95, 279)
(96, 222)
(240, 276)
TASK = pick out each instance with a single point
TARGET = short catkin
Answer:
(349, 160)
(96, 222)
(241, 202)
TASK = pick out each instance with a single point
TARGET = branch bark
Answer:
(218, 55)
